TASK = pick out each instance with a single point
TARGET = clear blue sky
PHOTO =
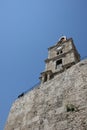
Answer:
(27, 29)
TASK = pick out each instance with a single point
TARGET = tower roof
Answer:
(60, 42)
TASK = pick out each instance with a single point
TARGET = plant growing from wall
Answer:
(70, 108)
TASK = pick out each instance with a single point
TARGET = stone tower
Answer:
(60, 57)
(59, 102)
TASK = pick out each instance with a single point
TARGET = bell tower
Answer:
(61, 56)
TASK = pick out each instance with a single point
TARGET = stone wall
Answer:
(58, 104)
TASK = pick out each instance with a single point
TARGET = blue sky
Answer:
(27, 29)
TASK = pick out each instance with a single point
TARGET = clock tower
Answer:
(61, 56)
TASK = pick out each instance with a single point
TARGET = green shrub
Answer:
(70, 108)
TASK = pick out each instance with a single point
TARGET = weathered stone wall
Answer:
(58, 104)
(68, 58)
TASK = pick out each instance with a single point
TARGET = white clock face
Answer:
(59, 48)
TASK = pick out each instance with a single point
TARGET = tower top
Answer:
(61, 56)
(62, 38)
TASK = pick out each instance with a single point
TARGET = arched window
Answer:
(59, 52)
(58, 63)
(45, 78)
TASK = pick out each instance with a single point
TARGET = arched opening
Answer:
(58, 63)
(45, 77)
(59, 52)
